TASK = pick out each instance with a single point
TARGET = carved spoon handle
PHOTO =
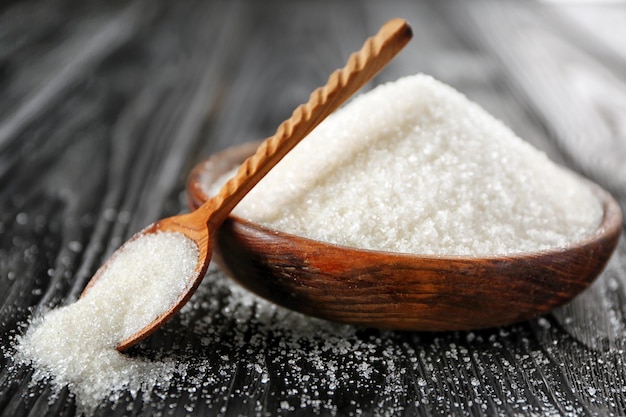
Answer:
(375, 53)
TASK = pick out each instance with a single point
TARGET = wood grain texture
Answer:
(107, 150)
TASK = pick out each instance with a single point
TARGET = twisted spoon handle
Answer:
(375, 53)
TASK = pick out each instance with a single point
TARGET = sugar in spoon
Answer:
(201, 225)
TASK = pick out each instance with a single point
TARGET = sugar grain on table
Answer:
(76, 345)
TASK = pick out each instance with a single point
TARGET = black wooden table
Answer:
(105, 107)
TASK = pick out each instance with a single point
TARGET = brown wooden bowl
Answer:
(395, 290)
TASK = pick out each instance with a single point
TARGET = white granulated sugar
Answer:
(75, 345)
(414, 166)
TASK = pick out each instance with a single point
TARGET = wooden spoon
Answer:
(200, 226)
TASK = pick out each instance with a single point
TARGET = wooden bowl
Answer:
(395, 290)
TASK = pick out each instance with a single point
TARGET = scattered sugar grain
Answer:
(414, 166)
(75, 345)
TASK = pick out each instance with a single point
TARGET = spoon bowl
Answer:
(396, 290)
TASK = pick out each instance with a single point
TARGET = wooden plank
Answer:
(193, 77)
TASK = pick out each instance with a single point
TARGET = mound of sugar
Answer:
(75, 345)
(414, 166)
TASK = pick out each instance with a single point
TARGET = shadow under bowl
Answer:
(397, 290)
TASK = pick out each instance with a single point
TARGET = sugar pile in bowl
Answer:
(413, 166)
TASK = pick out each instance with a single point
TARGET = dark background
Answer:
(105, 107)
